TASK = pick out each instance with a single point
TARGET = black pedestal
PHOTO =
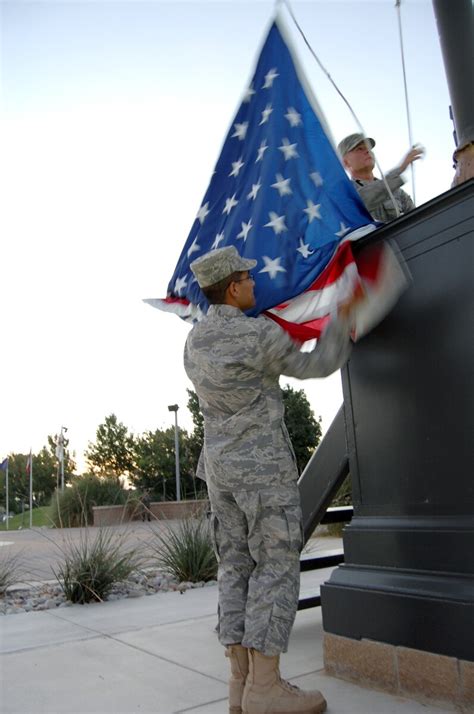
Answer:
(408, 578)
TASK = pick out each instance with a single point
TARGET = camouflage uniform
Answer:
(377, 200)
(374, 192)
(234, 363)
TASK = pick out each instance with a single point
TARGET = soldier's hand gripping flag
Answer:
(279, 193)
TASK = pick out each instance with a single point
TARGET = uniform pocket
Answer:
(281, 522)
(295, 526)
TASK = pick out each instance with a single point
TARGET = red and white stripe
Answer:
(375, 272)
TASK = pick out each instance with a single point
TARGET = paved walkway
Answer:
(40, 549)
(156, 654)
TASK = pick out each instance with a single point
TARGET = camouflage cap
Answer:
(218, 264)
(350, 142)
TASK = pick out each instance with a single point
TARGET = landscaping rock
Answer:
(49, 595)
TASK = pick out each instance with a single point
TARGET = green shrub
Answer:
(90, 567)
(11, 569)
(186, 552)
(73, 506)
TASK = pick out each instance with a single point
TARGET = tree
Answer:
(155, 465)
(112, 454)
(45, 474)
(18, 481)
(304, 429)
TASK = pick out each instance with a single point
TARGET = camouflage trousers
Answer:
(257, 538)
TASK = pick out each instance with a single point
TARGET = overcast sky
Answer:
(112, 118)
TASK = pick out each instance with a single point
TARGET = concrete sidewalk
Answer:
(155, 654)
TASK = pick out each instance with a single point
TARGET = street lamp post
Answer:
(174, 408)
(60, 453)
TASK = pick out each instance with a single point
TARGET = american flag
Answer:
(279, 193)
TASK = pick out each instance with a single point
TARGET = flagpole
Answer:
(63, 429)
(31, 489)
(6, 495)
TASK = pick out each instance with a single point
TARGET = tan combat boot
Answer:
(239, 667)
(267, 693)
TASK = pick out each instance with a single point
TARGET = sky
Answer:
(112, 116)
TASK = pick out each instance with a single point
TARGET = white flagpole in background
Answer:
(60, 453)
(31, 489)
(6, 495)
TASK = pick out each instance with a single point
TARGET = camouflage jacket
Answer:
(234, 362)
(377, 200)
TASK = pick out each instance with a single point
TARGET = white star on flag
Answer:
(236, 166)
(272, 267)
(203, 212)
(304, 249)
(293, 117)
(270, 78)
(193, 247)
(240, 130)
(343, 231)
(276, 222)
(266, 114)
(229, 204)
(255, 189)
(218, 239)
(289, 150)
(282, 185)
(312, 210)
(317, 178)
(261, 150)
(245, 230)
(180, 284)
(248, 94)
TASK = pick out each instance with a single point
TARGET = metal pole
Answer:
(176, 448)
(60, 453)
(6, 494)
(31, 489)
(456, 35)
(62, 469)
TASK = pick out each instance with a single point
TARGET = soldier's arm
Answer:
(407, 203)
(280, 355)
(375, 193)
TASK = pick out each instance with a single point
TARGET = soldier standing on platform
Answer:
(357, 157)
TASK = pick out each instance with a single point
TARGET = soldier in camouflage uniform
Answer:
(357, 157)
(234, 363)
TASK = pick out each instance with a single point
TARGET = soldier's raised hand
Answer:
(415, 153)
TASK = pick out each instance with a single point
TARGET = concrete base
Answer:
(426, 677)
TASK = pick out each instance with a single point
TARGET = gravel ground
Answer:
(40, 550)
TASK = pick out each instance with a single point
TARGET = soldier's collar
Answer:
(227, 310)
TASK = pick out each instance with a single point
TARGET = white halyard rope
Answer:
(356, 119)
(407, 104)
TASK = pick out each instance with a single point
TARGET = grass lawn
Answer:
(40, 518)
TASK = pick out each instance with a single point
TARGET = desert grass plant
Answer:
(72, 507)
(186, 552)
(11, 569)
(90, 567)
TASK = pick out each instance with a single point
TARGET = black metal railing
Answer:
(327, 559)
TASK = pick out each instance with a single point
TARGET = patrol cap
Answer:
(218, 264)
(350, 142)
